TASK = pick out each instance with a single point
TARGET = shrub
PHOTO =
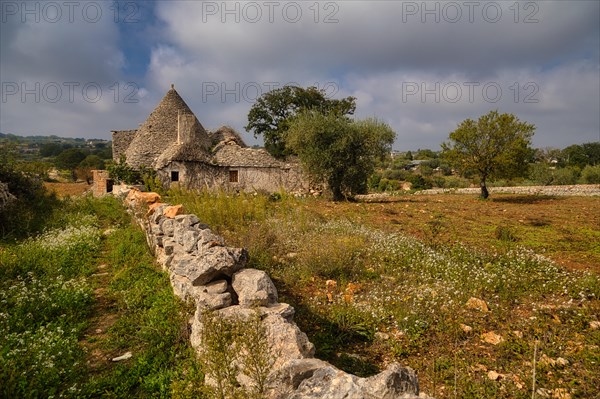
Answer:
(419, 182)
(505, 233)
(565, 176)
(234, 346)
(591, 174)
(32, 206)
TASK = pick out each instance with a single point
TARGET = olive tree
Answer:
(338, 151)
(495, 146)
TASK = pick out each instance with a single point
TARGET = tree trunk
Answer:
(484, 191)
(337, 193)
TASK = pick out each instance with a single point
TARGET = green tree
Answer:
(541, 173)
(84, 170)
(338, 151)
(270, 116)
(575, 155)
(591, 174)
(426, 154)
(92, 162)
(50, 149)
(494, 146)
(592, 152)
(31, 204)
(70, 158)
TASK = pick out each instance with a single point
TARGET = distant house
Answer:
(415, 165)
(174, 143)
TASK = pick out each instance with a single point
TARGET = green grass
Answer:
(48, 312)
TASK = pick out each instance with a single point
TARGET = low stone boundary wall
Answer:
(583, 190)
(214, 277)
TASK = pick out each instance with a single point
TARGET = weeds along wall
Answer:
(247, 341)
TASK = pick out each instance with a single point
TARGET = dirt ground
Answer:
(68, 189)
(565, 229)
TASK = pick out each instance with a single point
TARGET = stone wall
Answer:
(103, 184)
(214, 277)
(199, 176)
(585, 190)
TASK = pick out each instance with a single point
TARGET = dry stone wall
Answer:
(582, 190)
(205, 271)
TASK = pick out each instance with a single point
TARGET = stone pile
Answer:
(214, 277)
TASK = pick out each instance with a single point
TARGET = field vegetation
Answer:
(376, 283)
(82, 290)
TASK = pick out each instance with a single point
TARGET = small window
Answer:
(109, 185)
(174, 175)
(233, 176)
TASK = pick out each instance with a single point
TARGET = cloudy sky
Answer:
(82, 69)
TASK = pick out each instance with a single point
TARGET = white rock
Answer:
(254, 288)
(125, 356)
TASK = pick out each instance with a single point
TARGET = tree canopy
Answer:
(270, 116)
(495, 146)
(337, 150)
(70, 158)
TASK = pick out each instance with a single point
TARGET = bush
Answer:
(420, 183)
(590, 174)
(32, 206)
(540, 173)
(564, 176)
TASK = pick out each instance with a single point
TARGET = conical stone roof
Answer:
(159, 131)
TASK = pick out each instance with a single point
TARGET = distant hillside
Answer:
(75, 142)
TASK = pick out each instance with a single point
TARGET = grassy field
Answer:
(82, 292)
(376, 283)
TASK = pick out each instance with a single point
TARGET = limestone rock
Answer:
(167, 226)
(285, 339)
(152, 208)
(207, 239)
(214, 263)
(172, 211)
(393, 382)
(212, 296)
(314, 378)
(254, 288)
(157, 213)
(477, 304)
(138, 198)
(216, 287)
(187, 220)
(189, 240)
(206, 301)
(125, 356)
(289, 377)
(494, 375)
(181, 286)
(492, 338)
